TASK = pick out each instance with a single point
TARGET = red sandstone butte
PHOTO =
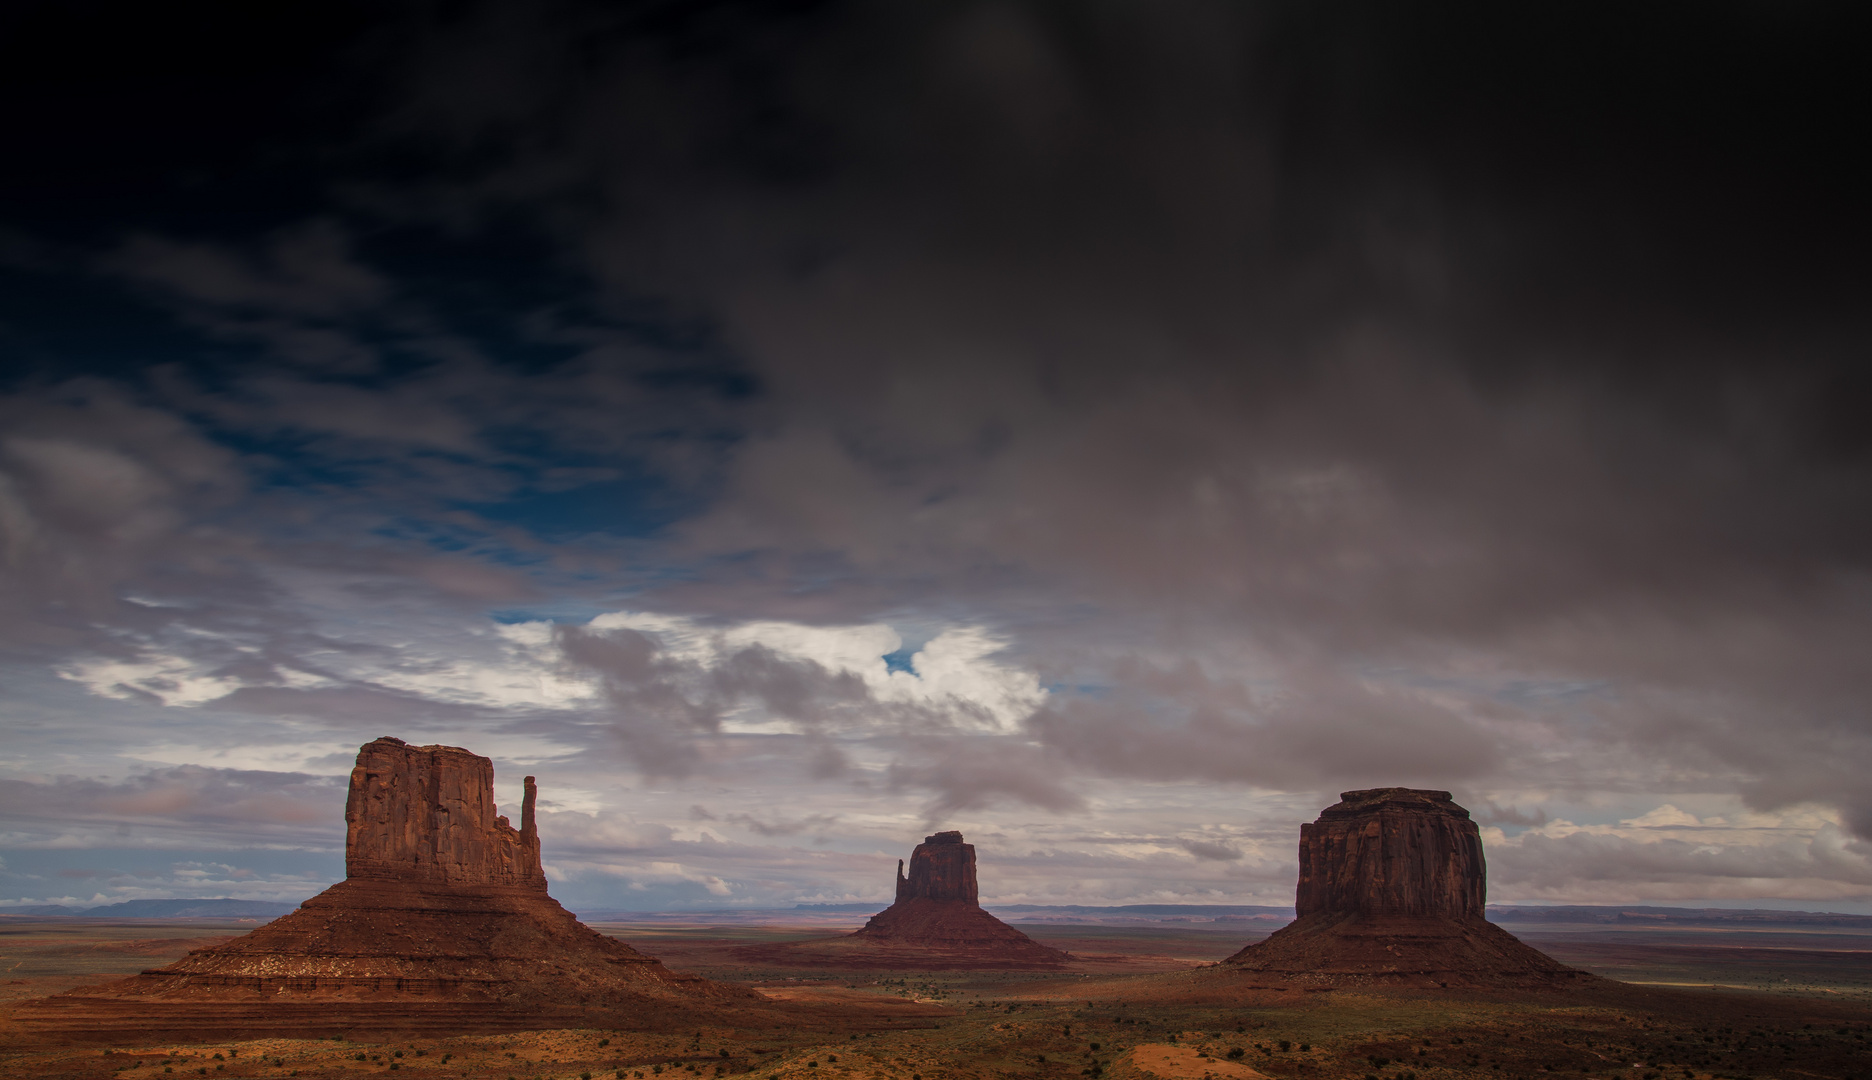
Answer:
(937, 923)
(1392, 889)
(442, 925)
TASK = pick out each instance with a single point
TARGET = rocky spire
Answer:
(425, 814)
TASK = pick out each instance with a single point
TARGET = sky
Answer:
(1110, 429)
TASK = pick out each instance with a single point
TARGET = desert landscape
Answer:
(1775, 1010)
(442, 955)
(944, 540)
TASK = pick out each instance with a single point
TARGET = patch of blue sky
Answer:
(1525, 691)
(1549, 690)
(452, 538)
(628, 507)
(575, 611)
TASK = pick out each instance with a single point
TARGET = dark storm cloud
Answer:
(99, 493)
(186, 805)
(1316, 395)
(1209, 849)
(1546, 864)
(1389, 339)
(974, 774)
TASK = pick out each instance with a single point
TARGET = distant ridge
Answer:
(165, 909)
(1210, 910)
(1633, 914)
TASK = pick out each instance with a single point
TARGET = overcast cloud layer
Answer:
(1108, 429)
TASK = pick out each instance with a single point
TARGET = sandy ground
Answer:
(1177, 1023)
(1170, 1062)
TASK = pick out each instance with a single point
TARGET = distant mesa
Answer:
(442, 924)
(936, 923)
(167, 908)
(1392, 890)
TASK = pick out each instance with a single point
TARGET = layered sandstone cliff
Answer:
(425, 814)
(941, 868)
(1392, 889)
(442, 923)
(936, 923)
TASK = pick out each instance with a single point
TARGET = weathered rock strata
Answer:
(443, 914)
(1392, 851)
(1392, 890)
(425, 815)
(941, 868)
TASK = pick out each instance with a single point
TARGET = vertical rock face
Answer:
(443, 919)
(425, 814)
(941, 868)
(1392, 887)
(1392, 851)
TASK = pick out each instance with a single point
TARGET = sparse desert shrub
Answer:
(1285, 1045)
(1236, 1053)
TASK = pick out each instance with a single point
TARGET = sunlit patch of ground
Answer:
(1171, 1062)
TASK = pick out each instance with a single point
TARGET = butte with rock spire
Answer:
(936, 923)
(1392, 890)
(442, 924)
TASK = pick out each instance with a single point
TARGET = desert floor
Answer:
(1693, 1006)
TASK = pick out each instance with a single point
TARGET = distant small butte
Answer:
(937, 923)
